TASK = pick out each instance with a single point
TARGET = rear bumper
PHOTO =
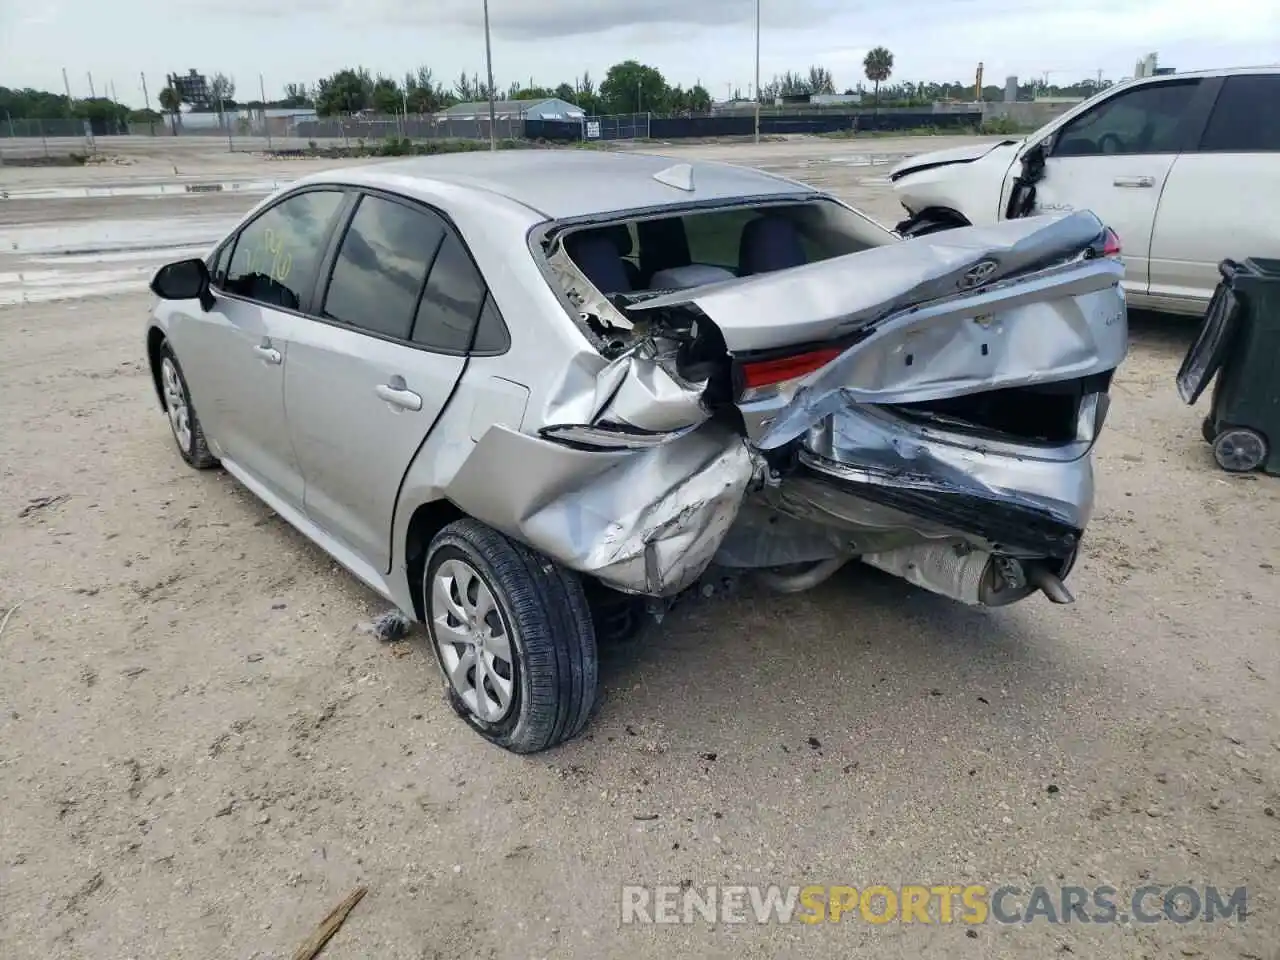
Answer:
(1005, 524)
(1032, 499)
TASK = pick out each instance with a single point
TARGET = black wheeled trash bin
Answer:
(1239, 341)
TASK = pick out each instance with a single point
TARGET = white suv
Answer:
(1184, 167)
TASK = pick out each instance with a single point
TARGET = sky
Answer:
(550, 41)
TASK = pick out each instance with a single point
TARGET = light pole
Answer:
(488, 59)
(757, 71)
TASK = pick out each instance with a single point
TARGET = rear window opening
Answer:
(694, 248)
(1043, 413)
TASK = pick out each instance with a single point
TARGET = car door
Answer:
(1114, 159)
(1222, 198)
(370, 375)
(234, 353)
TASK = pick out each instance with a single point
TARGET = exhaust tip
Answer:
(1049, 583)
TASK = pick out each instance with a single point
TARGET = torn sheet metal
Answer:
(874, 447)
(836, 297)
(642, 521)
(1062, 326)
(585, 298)
(640, 390)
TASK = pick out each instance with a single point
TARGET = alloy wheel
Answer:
(473, 640)
(175, 403)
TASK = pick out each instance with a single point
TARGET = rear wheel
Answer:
(513, 635)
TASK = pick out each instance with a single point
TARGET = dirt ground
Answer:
(201, 753)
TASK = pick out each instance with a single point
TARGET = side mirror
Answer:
(183, 280)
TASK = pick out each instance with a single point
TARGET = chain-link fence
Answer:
(618, 126)
(36, 140)
(247, 131)
(350, 131)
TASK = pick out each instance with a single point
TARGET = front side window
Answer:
(1147, 120)
(277, 256)
(218, 264)
(381, 266)
(1246, 118)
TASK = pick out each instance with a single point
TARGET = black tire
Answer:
(618, 617)
(1240, 450)
(547, 620)
(195, 450)
(910, 229)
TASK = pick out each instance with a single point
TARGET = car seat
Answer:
(663, 244)
(621, 237)
(597, 256)
(769, 243)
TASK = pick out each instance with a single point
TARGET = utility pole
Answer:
(266, 124)
(488, 60)
(146, 97)
(92, 93)
(757, 71)
(112, 84)
(67, 86)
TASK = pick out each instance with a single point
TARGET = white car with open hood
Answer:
(1184, 167)
(519, 394)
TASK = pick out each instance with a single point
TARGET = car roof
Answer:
(1193, 74)
(563, 184)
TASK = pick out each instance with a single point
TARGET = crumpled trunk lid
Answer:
(836, 297)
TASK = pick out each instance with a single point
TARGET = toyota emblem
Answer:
(978, 274)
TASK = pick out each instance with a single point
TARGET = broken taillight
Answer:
(1110, 243)
(760, 374)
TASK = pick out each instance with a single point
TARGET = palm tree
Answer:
(171, 101)
(878, 64)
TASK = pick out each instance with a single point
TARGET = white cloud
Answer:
(554, 40)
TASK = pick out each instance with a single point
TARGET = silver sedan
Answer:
(525, 395)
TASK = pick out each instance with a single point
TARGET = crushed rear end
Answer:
(937, 415)
(929, 406)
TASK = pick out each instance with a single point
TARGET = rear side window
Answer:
(1246, 118)
(451, 302)
(381, 266)
(277, 256)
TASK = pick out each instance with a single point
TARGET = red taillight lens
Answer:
(764, 373)
(1110, 243)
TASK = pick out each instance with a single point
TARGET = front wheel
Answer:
(184, 423)
(513, 635)
(927, 223)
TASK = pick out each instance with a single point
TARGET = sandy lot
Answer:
(201, 754)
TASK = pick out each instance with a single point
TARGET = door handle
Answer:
(398, 395)
(1134, 181)
(267, 353)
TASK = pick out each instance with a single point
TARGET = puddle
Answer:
(93, 237)
(69, 261)
(145, 190)
(41, 286)
(865, 159)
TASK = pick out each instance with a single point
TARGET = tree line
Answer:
(628, 87)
